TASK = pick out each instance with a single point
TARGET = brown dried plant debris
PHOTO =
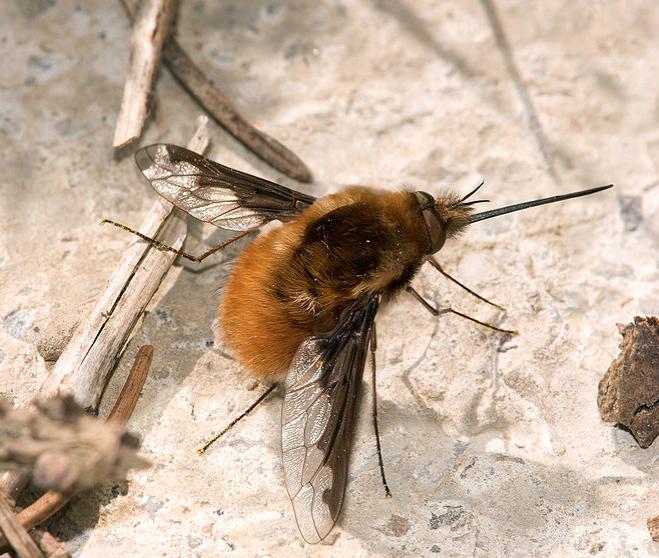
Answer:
(629, 391)
(65, 449)
(201, 88)
(653, 527)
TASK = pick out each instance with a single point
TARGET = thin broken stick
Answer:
(17, 536)
(197, 84)
(91, 354)
(226, 115)
(84, 366)
(49, 544)
(130, 393)
(152, 25)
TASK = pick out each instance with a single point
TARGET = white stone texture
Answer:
(492, 448)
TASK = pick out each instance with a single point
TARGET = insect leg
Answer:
(438, 312)
(165, 248)
(373, 347)
(433, 262)
(249, 409)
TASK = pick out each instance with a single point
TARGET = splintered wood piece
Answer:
(92, 353)
(16, 535)
(49, 544)
(226, 115)
(152, 25)
(199, 86)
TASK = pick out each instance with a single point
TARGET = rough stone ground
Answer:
(493, 447)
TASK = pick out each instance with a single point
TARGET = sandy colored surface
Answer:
(491, 448)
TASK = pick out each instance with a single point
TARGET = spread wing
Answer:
(318, 418)
(211, 192)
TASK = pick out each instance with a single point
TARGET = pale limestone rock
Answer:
(505, 436)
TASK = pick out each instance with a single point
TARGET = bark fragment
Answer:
(629, 391)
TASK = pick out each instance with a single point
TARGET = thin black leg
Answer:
(433, 262)
(249, 409)
(438, 312)
(373, 348)
(166, 248)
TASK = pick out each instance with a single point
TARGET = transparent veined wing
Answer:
(318, 417)
(211, 192)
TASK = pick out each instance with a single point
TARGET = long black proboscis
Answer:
(525, 205)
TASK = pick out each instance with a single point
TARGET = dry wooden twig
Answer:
(16, 534)
(52, 501)
(92, 352)
(49, 545)
(152, 25)
(130, 393)
(46, 506)
(224, 113)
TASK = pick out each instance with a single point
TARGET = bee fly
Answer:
(301, 301)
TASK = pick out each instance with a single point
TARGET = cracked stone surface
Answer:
(493, 446)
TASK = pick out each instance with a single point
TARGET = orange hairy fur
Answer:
(295, 280)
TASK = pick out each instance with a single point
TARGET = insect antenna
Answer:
(462, 202)
(473, 191)
(525, 205)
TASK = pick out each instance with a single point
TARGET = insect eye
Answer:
(424, 199)
(435, 227)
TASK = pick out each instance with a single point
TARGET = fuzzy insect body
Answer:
(296, 280)
(301, 301)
